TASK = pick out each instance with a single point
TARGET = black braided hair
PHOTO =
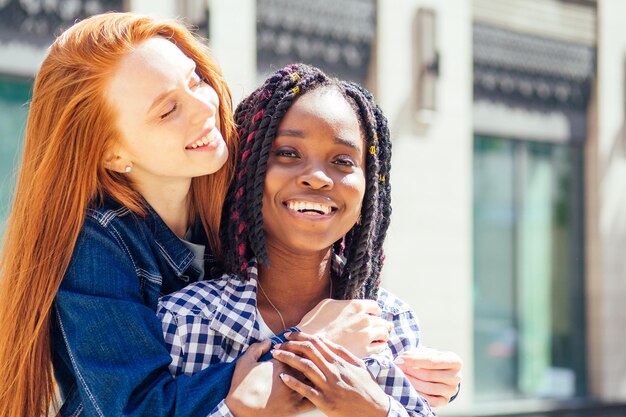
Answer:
(257, 118)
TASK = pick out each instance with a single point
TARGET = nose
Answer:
(202, 107)
(316, 178)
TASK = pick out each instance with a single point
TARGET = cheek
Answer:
(354, 186)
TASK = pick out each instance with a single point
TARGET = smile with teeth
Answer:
(200, 142)
(306, 207)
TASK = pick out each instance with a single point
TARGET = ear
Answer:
(116, 163)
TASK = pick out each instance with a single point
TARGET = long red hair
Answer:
(70, 128)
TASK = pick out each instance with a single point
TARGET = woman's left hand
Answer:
(434, 374)
(340, 386)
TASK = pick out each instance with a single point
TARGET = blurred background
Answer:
(509, 172)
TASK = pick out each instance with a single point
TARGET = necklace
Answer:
(280, 316)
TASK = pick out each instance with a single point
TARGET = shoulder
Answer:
(105, 247)
(389, 303)
(107, 212)
(406, 329)
(112, 219)
(199, 298)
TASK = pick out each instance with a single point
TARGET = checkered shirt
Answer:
(215, 321)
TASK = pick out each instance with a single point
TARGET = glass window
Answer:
(14, 95)
(528, 269)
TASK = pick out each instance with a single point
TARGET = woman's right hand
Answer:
(338, 383)
(353, 324)
(256, 390)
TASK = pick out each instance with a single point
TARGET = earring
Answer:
(128, 169)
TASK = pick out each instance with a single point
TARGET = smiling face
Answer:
(167, 116)
(315, 179)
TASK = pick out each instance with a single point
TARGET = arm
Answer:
(113, 342)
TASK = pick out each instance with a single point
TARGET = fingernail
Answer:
(282, 376)
(398, 361)
(277, 345)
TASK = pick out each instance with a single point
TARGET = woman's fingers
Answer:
(296, 357)
(370, 307)
(447, 377)
(335, 351)
(379, 331)
(427, 358)
(354, 324)
(256, 350)
(307, 391)
(437, 394)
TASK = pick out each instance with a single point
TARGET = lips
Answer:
(310, 208)
(205, 140)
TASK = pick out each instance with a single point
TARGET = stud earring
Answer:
(128, 169)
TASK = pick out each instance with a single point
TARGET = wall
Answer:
(606, 211)
(233, 41)
(429, 246)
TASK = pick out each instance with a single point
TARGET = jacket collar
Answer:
(173, 250)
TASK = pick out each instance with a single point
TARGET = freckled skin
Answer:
(156, 135)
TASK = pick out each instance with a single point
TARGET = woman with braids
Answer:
(305, 220)
(128, 155)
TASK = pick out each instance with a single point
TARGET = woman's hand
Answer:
(434, 374)
(353, 324)
(257, 391)
(338, 383)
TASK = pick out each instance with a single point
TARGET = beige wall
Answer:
(233, 42)
(606, 211)
(429, 245)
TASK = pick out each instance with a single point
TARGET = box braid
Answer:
(257, 118)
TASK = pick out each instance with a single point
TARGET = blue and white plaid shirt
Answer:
(215, 321)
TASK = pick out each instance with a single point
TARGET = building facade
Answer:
(509, 168)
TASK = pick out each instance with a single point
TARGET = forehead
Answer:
(326, 105)
(155, 65)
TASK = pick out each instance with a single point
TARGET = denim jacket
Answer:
(109, 355)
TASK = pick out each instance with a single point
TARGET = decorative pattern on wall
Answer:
(37, 22)
(335, 35)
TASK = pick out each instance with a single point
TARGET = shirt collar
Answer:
(235, 316)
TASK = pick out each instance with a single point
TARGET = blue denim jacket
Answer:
(109, 355)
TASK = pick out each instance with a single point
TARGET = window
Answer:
(528, 269)
(14, 95)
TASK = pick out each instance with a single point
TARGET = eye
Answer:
(344, 160)
(197, 81)
(286, 153)
(169, 112)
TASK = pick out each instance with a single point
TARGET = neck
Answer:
(294, 284)
(171, 202)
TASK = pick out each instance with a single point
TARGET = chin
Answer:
(218, 161)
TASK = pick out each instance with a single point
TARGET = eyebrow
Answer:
(164, 95)
(295, 133)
